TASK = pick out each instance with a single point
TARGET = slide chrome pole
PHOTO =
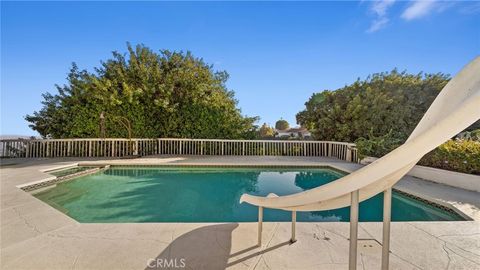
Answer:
(387, 214)
(352, 263)
(294, 221)
(260, 225)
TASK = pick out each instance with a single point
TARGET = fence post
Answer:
(27, 151)
(48, 149)
(349, 154)
(113, 148)
(135, 149)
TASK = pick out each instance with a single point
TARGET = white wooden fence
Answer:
(28, 148)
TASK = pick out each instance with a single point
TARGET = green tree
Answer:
(306, 116)
(378, 113)
(282, 124)
(164, 94)
(266, 131)
(384, 103)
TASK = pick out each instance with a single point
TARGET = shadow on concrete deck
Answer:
(208, 247)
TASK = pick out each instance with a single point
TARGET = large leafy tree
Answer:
(385, 103)
(164, 94)
(379, 113)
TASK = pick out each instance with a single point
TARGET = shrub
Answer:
(470, 135)
(455, 155)
(377, 146)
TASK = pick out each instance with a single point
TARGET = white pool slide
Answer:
(455, 108)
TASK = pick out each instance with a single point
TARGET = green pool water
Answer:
(121, 194)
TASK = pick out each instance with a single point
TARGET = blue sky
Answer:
(277, 53)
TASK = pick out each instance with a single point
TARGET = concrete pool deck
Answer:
(37, 236)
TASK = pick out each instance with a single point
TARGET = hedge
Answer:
(455, 155)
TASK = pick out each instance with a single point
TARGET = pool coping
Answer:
(51, 181)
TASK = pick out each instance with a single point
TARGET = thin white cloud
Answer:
(380, 8)
(421, 8)
(378, 24)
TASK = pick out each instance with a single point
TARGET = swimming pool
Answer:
(207, 194)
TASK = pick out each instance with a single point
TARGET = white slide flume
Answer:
(455, 108)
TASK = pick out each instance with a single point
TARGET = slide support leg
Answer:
(294, 221)
(260, 225)
(387, 214)
(352, 262)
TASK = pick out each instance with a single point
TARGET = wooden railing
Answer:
(27, 148)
